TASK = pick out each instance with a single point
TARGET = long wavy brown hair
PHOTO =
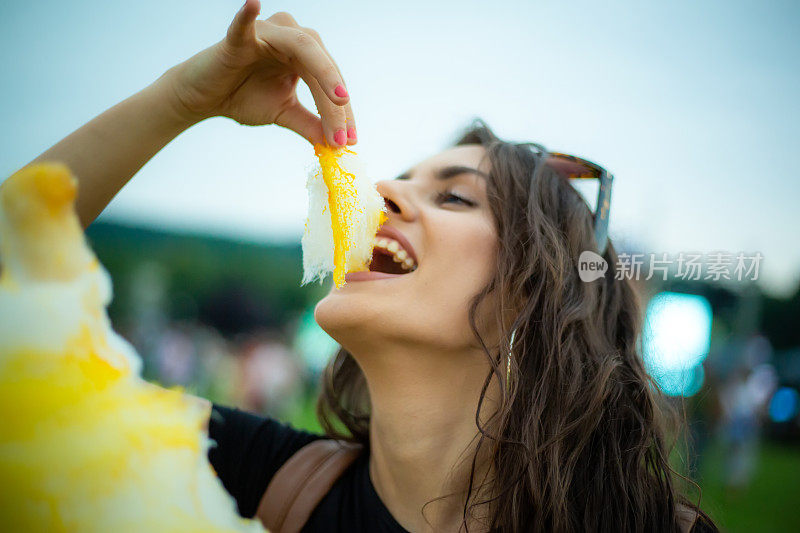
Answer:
(581, 440)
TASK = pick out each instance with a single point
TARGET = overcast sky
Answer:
(693, 105)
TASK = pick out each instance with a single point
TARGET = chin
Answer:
(358, 317)
(342, 315)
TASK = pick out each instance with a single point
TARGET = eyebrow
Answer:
(448, 172)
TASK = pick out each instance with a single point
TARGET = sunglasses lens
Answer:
(572, 167)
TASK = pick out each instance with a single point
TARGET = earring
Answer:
(508, 361)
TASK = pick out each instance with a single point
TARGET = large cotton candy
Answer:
(85, 444)
(344, 214)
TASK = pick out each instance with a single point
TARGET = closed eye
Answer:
(448, 197)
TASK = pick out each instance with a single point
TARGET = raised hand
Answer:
(251, 76)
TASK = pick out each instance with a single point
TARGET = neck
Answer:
(423, 433)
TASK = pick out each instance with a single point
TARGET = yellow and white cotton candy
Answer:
(344, 214)
(86, 444)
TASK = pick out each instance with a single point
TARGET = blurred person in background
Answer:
(740, 430)
(176, 356)
(491, 389)
(269, 375)
(744, 399)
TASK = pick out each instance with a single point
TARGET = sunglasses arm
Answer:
(602, 211)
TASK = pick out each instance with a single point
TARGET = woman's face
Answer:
(440, 207)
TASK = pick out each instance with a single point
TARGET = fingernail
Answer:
(340, 91)
(340, 137)
(351, 133)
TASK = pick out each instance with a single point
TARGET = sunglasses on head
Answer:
(572, 167)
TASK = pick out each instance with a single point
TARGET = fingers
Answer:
(333, 116)
(302, 121)
(352, 138)
(348, 108)
(304, 53)
(242, 29)
(302, 50)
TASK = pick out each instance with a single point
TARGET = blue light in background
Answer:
(682, 382)
(677, 335)
(784, 404)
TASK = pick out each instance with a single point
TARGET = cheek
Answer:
(461, 268)
(466, 269)
(465, 259)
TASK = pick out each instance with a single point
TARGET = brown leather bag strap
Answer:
(301, 483)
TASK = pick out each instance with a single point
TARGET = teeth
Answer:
(398, 254)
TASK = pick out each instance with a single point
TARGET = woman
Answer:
(491, 388)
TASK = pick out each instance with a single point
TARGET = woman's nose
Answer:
(397, 201)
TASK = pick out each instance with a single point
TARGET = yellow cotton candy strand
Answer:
(345, 212)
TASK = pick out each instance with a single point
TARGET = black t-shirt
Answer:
(250, 449)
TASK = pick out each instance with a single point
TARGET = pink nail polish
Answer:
(340, 91)
(351, 133)
(340, 137)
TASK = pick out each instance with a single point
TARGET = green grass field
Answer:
(771, 502)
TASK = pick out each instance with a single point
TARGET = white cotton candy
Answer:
(317, 239)
(344, 213)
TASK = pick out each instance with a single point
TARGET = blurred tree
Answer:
(780, 320)
(232, 285)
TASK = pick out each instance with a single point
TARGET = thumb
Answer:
(243, 25)
(303, 122)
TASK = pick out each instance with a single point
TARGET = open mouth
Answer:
(390, 257)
